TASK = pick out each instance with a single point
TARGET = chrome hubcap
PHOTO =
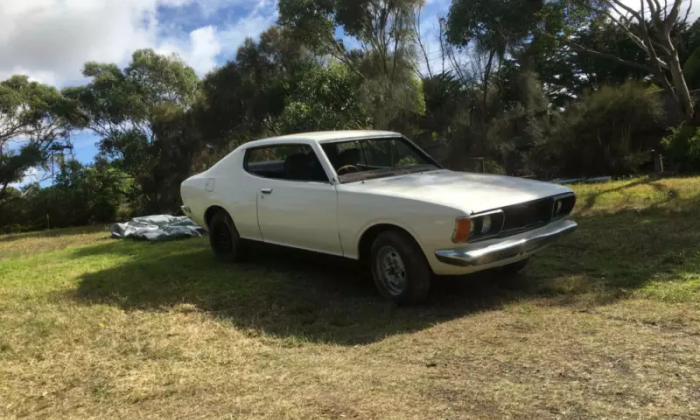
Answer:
(391, 269)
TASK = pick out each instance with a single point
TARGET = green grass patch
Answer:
(602, 324)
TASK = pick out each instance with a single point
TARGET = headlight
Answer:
(485, 225)
(481, 226)
(563, 205)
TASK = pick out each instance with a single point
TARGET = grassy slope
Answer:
(604, 324)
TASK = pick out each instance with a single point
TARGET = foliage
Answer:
(243, 99)
(140, 114)
(385, 59)
(602, 133)
(567, 74)
(81, 195)
(529, 87)
(691, 70)
(34, 121)
(682, 146)
(381, 26)
(324, 99)
(493, 25)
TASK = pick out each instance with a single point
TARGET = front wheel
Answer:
(399, 268)
(514, 268)
(507, 275)
(224, 240)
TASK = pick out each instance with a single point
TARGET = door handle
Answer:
(266, 190)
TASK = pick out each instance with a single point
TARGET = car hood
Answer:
(470, 192)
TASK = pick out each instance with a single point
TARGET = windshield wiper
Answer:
(423, 168)
(386, 172)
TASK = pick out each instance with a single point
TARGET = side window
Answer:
(291, 162)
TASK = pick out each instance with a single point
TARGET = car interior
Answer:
(300, 166)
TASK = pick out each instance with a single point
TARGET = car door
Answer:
(296, 202)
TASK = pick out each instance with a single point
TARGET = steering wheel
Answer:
(348, 169)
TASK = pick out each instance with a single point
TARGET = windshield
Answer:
(357, 160)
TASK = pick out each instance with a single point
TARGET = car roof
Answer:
(322, 137)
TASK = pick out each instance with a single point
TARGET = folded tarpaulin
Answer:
(157, 228)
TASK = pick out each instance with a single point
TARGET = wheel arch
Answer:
(211, 211)
(364, 245)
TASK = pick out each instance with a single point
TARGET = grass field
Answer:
(606, 324)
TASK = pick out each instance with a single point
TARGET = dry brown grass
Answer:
(603, 325)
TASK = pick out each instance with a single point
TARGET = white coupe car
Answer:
(376, 197)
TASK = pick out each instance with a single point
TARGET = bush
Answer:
(682, 147)
(493, 167)
(605, 132)
(81, 195)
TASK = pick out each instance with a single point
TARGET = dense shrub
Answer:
(81, 195)
(682, 147)
(604, 132)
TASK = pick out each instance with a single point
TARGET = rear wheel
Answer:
(399, 268)
(225, 242)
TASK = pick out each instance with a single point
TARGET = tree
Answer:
(141, 115)
(87, 194)
(244, 98)
(651, 27)
(34, 121)
(324, 99)
(385, 57)
(566, 74)
(493, 26)
(606, 132)
(80, 195)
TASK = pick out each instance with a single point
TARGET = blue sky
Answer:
(50, 40)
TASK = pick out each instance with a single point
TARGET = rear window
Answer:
(291, 162)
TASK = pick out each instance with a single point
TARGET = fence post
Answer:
(658, 163)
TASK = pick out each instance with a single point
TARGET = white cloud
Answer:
(207, 44)
(233, 36)
(199, 50)
(50, 40)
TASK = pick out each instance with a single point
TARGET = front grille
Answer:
(534, 214)
(528, 215)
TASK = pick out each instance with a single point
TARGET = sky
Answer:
(50, 40)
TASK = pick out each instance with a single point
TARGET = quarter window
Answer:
(291, 162)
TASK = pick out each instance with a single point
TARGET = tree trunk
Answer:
(680, 86)
(487, 74)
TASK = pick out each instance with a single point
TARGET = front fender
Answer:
(431, 225)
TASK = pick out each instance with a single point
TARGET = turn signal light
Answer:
(463, 228)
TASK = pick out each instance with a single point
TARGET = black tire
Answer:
(515, 268)
(507, 276)
(225, 242)
(391, 252)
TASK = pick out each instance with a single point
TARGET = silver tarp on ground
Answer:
(157, 228)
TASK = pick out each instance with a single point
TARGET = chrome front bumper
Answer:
(507, 248)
